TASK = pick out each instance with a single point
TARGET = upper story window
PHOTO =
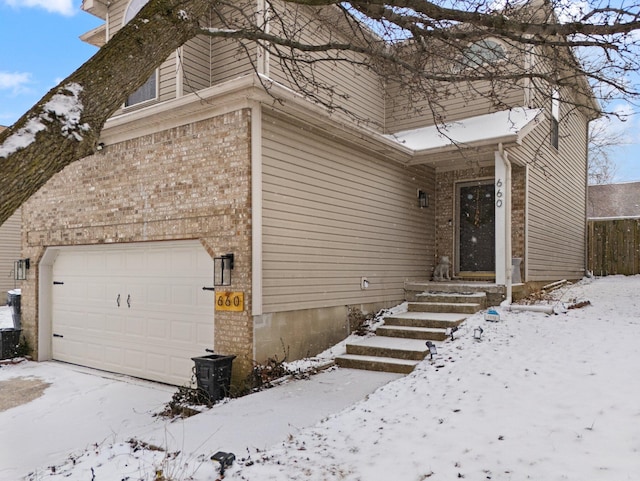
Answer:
(149, 91)
(482, 53)
(555, 118)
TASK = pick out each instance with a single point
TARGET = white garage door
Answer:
(136, 309)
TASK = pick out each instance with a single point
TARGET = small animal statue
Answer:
(443, 270)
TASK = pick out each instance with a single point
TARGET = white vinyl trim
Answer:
(256, 208)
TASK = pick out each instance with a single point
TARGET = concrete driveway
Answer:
(51, 410)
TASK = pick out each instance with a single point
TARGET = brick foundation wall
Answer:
(190, 182)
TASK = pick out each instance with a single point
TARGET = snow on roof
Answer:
(504, 126)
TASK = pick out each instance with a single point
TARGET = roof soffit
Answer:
(98, 8)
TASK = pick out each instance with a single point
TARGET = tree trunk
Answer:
(66, 124)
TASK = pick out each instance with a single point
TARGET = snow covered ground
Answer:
(539, 397)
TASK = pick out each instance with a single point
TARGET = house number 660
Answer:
(499, 193)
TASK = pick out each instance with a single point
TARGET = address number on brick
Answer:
(230, 301)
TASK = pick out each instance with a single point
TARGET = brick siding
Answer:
(189, 182)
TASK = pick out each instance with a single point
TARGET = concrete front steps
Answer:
(400, 344)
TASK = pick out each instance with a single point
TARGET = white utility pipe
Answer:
(538, 308)
(507, 303)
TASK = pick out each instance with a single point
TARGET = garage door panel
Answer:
(157, 364)
(113, 356)
(159, 296)
(94, 262)
(205, 335)
(134, 262)
(113, 325)
(159, 330)
(157, 262)
(182, 295)
(167, 320)
(95, 323)
(135, 328)
(178, 365)
(183, 332)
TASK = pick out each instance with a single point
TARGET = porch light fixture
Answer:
(477, 333)
(222, 267)
(423, 199)
(432, 349)
(451, 331)
(20, 268)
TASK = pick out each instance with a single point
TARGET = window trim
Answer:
(156, 93)
(469, 59)
(131, 11)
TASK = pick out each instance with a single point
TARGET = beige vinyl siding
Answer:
(230, 59)
(116, 16)
(458, 102)
(556, 235)
(458, 99)
(333, 214)
(167, 79)
(9, 253)
(357, 89)
(196, 64)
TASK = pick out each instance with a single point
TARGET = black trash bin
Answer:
(13, 300)
(9, 343)
(213, 375)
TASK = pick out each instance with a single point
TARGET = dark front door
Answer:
(476, 227)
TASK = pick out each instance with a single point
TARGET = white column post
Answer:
(501, 212)
(256, 207)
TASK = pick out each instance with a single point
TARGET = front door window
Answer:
(476, 227)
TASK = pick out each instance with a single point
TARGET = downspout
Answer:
(507, 303)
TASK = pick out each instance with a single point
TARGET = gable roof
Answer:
(613, 200)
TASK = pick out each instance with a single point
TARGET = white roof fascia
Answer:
(506, 126)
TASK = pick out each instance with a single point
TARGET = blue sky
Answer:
(40, 47)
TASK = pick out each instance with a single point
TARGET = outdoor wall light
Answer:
(432, 349)
(451, 331)
(477, 333)
(423, 199)
(222, 267)
(20, 268)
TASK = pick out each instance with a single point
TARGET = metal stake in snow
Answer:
(432, 349)
(451, 331)
(477, 333)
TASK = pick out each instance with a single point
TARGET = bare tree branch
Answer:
(419, 47)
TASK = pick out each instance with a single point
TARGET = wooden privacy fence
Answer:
(614, 246)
